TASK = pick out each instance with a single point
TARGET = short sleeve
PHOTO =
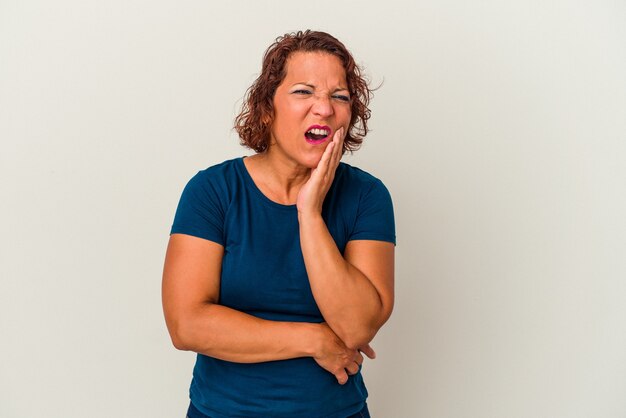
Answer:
(375, 220)
(199, 211)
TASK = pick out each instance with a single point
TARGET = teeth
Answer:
(318, 131)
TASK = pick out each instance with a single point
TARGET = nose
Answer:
(323, 106)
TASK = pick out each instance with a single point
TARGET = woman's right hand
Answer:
(333, 355)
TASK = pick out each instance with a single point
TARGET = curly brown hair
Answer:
(254, 122)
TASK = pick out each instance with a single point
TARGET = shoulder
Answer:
(218, 172)
(218, 178)
(365, 204)
(205, 201)
(357, 190)
(216, 184)
(355, 173)
(357, 180)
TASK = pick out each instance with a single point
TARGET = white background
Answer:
(500, 130)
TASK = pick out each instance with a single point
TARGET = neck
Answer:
(278, 178)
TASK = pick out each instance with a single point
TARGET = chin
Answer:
(311, 161)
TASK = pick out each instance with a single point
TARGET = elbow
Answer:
(180, 338)
(188, 331)
(357, 339)
(179, 343)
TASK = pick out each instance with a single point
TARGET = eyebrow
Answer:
(313, 87)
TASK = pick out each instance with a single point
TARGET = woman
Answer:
(279, 268)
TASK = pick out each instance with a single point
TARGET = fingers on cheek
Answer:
(337, 150)
(330, 150)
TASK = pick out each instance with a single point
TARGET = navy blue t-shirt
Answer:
(263, 274)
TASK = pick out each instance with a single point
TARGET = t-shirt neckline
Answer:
(255, 189)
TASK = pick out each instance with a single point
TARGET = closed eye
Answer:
(341, 97)
(302, 91)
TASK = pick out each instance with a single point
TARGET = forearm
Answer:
(228, 334)
(348, 301)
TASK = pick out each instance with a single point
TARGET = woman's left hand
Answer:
(312, 194)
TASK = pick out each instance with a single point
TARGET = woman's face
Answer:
(310, 104)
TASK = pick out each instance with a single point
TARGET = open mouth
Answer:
(316, 134)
